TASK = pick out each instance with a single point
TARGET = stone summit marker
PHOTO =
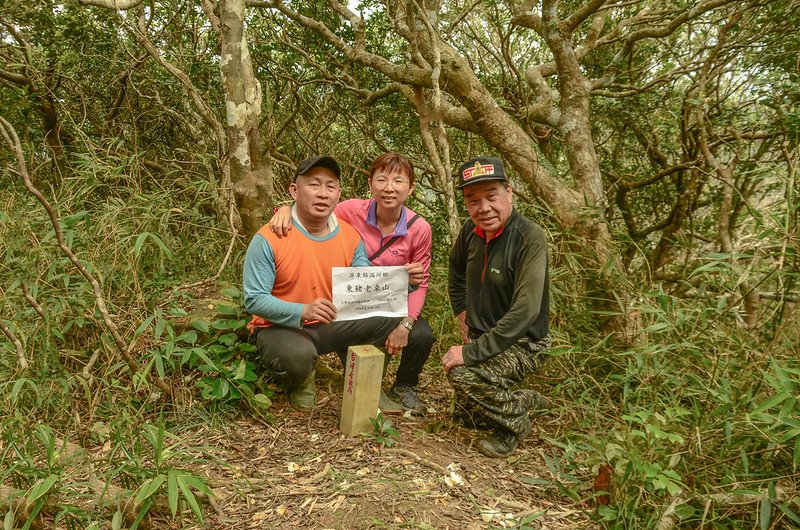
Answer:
(362, 385)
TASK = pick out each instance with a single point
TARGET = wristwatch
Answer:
(407, 323)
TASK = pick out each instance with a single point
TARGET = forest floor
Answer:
(300, 472)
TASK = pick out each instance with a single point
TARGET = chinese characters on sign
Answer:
(361, 292)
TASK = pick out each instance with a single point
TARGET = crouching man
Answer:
(288, 285)
(499, 290)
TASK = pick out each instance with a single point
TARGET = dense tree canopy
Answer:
(656, 140)
(629, 122)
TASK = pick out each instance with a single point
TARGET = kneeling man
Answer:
(499, 291)
(288, 286)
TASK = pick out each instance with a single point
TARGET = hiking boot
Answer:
(304, 397)
(389, 406)
(500, 443)
(408, 398)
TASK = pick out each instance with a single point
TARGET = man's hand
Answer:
(454, 357)
(397, 340)
(462, 325)
(415, 273)
(320, 310)
(281, 222)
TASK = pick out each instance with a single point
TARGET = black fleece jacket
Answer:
(502, 284)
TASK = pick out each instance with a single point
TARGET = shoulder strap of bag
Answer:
(391, 241)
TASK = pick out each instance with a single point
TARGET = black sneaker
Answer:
(500, 443)
(407, 396)
(388, 406)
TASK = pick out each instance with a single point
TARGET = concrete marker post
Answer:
(362, 386)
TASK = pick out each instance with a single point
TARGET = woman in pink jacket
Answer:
(393, 235)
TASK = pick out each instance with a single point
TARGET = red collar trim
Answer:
(482, 233)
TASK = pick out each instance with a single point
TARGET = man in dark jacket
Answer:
(499, 291)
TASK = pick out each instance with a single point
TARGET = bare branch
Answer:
(655, 177)
(440, 163)
(209, 8)
(23, 362)
(461, 17)
(123, 79)
(662, 30)
(382, 93)
(405, 73)
(355, 21)
(525, 17)
(31, 300)
(545, 108)
(117, 5)
(577, 17)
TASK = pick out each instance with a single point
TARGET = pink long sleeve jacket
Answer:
(413, 245)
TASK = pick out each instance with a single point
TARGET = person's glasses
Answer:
(383, 182)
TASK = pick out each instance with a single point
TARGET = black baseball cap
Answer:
(481, 169)
(318, 161)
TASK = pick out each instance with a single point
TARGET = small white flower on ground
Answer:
(453, 479)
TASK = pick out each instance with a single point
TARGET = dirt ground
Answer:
(300, 472)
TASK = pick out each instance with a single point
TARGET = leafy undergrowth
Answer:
(224, 467)
(692, 424)
(697, 425)
(231, 471)
(691, 427)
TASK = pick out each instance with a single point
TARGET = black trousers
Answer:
(290, 354)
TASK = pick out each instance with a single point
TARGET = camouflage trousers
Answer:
(493, 386)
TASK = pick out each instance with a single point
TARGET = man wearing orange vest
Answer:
(288, 286)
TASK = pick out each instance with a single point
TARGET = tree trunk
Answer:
(252, 183)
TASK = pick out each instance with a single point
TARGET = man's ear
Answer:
(293, 190)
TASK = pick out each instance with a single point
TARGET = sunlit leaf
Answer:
(148, 488)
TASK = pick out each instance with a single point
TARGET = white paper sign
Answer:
(361, 292)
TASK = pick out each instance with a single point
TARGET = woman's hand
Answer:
(281, 222)
(397, 340)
